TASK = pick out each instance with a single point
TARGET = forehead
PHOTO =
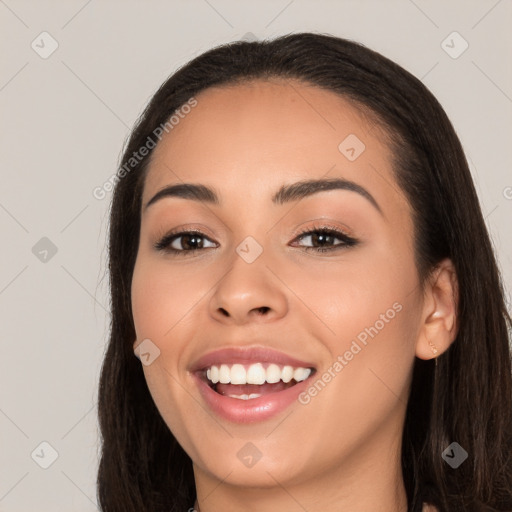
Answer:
(240, 137)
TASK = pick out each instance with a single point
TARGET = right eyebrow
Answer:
(186, 191)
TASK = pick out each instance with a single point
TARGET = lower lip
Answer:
(254, 409)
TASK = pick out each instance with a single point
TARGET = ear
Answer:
(439, 327)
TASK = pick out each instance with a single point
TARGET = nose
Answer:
(248, 292)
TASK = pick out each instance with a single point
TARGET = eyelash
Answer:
(346, 240)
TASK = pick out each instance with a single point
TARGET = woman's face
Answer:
(351, 313)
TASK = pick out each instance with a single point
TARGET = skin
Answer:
(340, 451)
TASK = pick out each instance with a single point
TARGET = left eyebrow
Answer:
(287, 193)
(301, 189)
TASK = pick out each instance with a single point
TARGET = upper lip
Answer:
(248, 355)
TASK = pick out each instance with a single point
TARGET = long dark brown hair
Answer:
(466, 398)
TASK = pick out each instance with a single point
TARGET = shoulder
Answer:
(429, 508)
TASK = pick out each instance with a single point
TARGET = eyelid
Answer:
(200, 229)
(320, 225)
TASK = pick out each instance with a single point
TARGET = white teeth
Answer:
(287, 374)
(214, 372)
(255, 374)
(301, 374)
(245, 397)
(238, 375)
(273, 374)
(224, 374)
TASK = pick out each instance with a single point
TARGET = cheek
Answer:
(361, 392)
(160, 305)
(161, 300)
(345, 296)
(365, 313)
(162, 296)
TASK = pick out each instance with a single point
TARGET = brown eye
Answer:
(323, 239)
(184, 242)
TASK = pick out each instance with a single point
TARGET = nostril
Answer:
(263, 309)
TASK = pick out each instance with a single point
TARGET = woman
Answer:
(299, 261)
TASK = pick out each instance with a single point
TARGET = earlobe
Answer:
(439, 319)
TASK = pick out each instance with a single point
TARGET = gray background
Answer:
(64, 121)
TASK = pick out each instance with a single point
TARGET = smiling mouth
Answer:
(247, 382)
